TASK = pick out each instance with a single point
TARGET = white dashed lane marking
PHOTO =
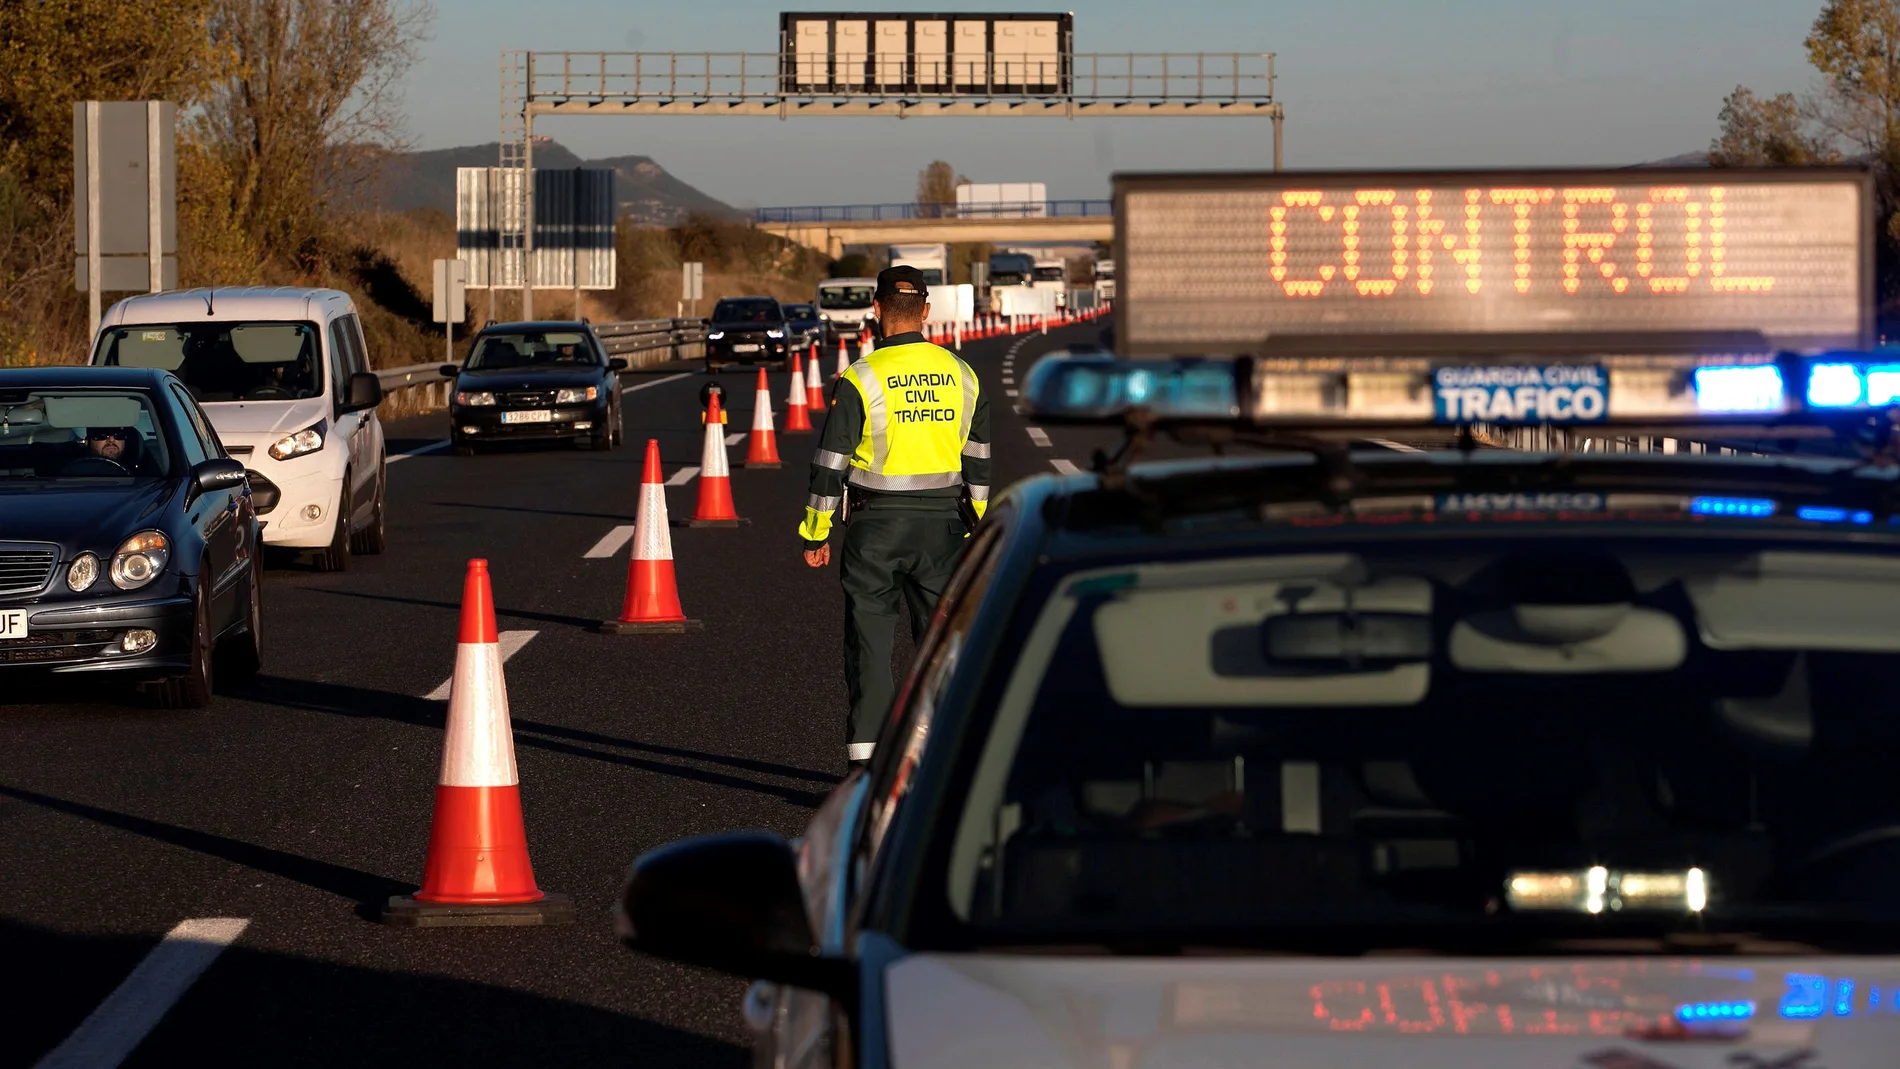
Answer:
(1039, 436)
(683, 476)
(1011, 393)
(735, 438)
(510, 643)
(1066, 467)
(135, 1007)
(610, 543)
(432, 447)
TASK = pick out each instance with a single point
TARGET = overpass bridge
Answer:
(829, 228)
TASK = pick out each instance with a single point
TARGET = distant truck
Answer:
(844, 304)
(1104, 281)
(1052, 275)
(1008, 269)
(932, 260)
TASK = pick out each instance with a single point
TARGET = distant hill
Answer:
(644, 189)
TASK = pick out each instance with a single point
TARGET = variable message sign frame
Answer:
(1215, 264)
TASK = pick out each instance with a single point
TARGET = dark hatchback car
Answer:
(748, 330)
(803, 325)
(543, 381)
(128, 541)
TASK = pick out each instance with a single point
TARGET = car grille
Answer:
(25, 567)
(53, 646)
(264, 493)
(525, 398)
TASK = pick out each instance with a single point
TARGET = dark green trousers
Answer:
(891, 558)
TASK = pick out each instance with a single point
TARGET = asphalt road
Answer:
(304, 801)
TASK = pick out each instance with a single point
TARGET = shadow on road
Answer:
(259, 1007)
(622, 517)
(341, 700)
(584, 623)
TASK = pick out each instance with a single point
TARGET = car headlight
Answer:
(308, 440)
(576, 396)
(775, 334)
(82, 573)
(140, 559)
(715, 335)
(464, 397)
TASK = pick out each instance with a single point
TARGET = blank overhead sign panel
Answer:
(1217, 263)
(967, 53)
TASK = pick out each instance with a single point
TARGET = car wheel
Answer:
(242, 655)
(193, 689)
(620, 430)
(372, 539)
(461, 446)
(336, 556)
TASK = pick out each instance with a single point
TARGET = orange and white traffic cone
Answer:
(797, 407)
(477, 870)
(652, 605)
(814, 384)
(715, 478)
(762, 446)
(844, 359)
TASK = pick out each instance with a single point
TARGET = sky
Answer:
(1365, 83)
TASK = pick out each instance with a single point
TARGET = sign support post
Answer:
(95, 269)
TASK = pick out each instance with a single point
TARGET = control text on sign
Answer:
(1218, 264)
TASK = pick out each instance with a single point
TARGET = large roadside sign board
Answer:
(1217, 263)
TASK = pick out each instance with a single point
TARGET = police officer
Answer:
(906, 451)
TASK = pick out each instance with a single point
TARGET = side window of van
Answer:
(339, 360)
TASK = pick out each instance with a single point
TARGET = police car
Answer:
(1573, 754)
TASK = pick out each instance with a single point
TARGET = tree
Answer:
(937, 187)
(1771, 132)
(315, 90)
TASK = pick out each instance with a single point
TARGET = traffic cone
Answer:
(477, 870)
(762, 447)
(797, 407)
(844, 359)
(652, 606)
(814, 384)
(715, 478)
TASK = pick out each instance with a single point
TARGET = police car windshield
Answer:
(747, 312)
(222, 360)
(529, 350)
(1453, 732)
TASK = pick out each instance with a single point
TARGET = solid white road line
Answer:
(611, 542)
(1039, 436)
(657, 382)
(735, 438)
(135, 1007)
(510, 643)
(1064, 466)
(683, 476)
(432, 447)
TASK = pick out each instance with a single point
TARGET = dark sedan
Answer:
(803, 325)
(750, 330)
(535, 381)
(128, 543)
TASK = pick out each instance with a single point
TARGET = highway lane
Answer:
(303, 800)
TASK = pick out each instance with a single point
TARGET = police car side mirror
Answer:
(733, 903)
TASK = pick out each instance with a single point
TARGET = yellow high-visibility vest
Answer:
(918, 400)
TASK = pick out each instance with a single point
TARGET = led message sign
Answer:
(1216, 263)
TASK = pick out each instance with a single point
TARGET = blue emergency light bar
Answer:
(1669, 389)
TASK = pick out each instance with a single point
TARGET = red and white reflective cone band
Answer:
(715, 477)
(797, 408)
(762, 444)
(814, 384)
(652, 605)
(477, 871)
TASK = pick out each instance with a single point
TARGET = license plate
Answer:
(746, 348)
(12, 625)
(533, 415)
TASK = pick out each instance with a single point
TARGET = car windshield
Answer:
(1473, 734)
(1008, 278)
(222, 360)
(1051, 274)
(845, 297)
(801, 313)
(746, 312)
(527, 350)
(80, 434)
(1104, 270)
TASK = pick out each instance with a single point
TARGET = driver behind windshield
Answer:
(111, 443)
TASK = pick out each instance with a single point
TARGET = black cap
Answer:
(901, 279)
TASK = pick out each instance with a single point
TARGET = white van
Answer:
(286, 380)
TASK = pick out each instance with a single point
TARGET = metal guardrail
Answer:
(419, 388)
(871, 213)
